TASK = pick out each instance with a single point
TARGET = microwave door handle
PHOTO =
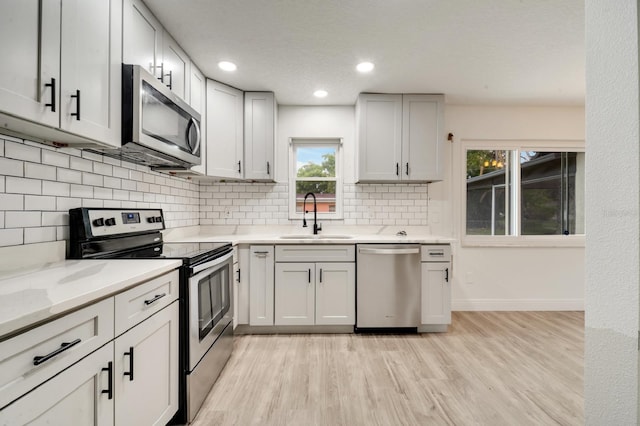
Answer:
(194, 124)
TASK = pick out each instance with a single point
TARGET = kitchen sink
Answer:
(316, 237)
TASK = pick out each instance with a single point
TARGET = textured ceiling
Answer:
(514, 52)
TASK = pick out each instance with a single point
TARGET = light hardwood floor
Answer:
(491, 368)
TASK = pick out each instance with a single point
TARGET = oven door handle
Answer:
(213, 263)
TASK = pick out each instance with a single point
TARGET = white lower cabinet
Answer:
(295, 294)
(436, 286)
(261, 264)
(146, 370)
(81, 395)
(315, 285)
(336, 293)
(71, 371)
(315, 294)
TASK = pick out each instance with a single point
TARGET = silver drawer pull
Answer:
(389, 251)
(155, 299)
(37, 360)
(436, 253)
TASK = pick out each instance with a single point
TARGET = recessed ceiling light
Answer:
(227, 66)
(320, 93)
(365, 67)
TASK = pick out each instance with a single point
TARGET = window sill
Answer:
(524, 241)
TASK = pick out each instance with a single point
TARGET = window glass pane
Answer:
(488, 197)
(552, 193)
(325, 192)
(315, 161)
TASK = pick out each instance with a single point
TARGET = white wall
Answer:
(506, 278)
(613, 251)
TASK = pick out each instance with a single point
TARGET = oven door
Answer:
(210, 305)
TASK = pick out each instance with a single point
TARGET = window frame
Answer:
(319, 142)
(516, 240)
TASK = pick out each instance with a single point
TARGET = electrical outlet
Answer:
(227, 213)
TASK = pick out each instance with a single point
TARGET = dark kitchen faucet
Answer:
(316, 227)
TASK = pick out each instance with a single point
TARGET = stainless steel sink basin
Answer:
(316, 237)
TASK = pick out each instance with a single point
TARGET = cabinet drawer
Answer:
(54, 346)
(315, 253)
(436, 253)
(139, 303)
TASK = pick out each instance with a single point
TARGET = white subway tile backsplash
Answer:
(11, 201)
(40, 235)
(81, 191)
(92, 179)
(111, 182)
(11, 237)
(55, 188)
(80, 164)
(22, 219)
(39, 171)
(103, 169)
(69, 176)
(17, 185)
(11, 167)
(66, 204)
(55, 158)
(20, 151)
(55, 218)
(39, 202)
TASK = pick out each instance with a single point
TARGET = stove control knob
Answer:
(151, 219)
(110, 222)
(98, 222)
(158, 219)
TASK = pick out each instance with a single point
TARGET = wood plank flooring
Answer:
(491, 368)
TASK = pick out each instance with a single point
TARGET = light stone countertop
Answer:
(35, 294)
(299, 235)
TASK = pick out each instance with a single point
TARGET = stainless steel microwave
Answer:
(159, 129)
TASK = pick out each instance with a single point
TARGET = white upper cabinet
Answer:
(422, 137)
(198, 100)
(90, 96)
(225, 131)
(259, 135)
(35, 57)
(146, 43)
(176, 67)
(379, 121)
(400, 137)
(64, 72)
(142, 36)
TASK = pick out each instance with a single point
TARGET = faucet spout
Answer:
(316, 227)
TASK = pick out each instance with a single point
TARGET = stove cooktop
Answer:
(193, 252)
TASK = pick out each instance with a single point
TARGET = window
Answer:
(315, 168)
(524, 191)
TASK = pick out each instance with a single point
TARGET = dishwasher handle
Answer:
(389, 251)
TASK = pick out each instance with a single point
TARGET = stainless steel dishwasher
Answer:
(387, 286)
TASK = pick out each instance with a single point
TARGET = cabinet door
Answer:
(197, 99)
(261, 269)
(259, 135)
(422, 137)
(146, 370)
(436, 293)
(77, 396)
(176, 67)
(335, 293)
(225, 125)
(31, 69)
(295, 294)
(242, 314)
(379, 120)
(91, 69)
(142, 37)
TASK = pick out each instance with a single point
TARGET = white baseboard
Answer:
(518, 305)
